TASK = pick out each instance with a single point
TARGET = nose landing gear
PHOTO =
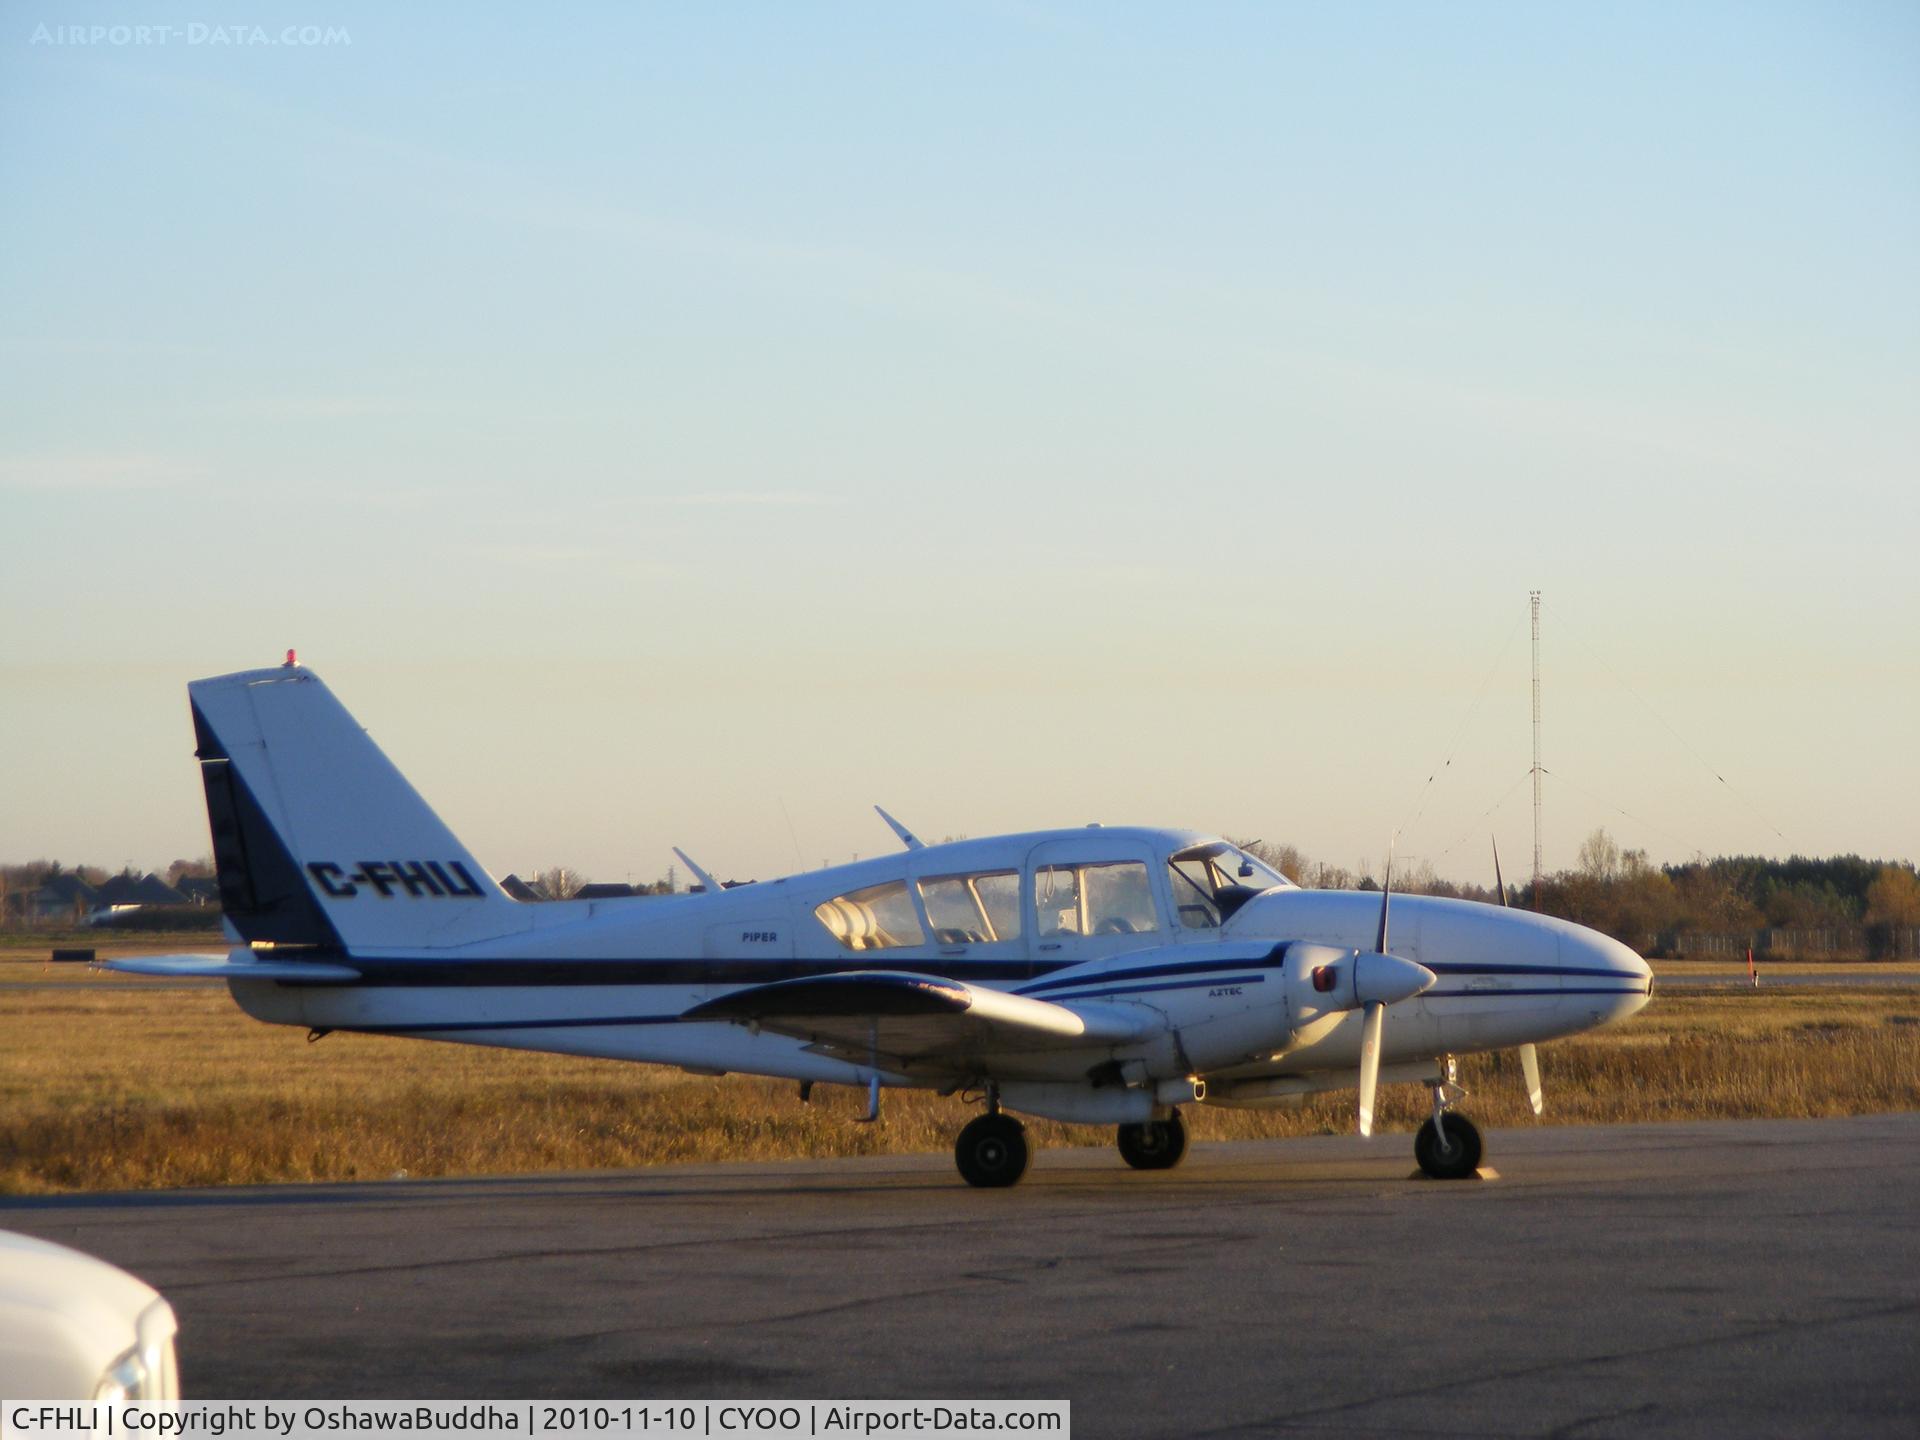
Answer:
(1447, 1146)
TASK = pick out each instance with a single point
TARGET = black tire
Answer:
(1155, 1145)
(992, 1151)
(1454, 1157)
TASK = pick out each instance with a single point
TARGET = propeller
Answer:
(1326, 982)
(1374, 1018)
(1529, 1057)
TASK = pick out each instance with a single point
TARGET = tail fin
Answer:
(317, 838)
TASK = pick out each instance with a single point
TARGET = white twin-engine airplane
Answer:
(1095, 976)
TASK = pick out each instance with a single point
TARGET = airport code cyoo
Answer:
(586, 1419)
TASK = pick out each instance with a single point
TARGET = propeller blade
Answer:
(1530, 1067)
(1370, 1028)
(1529, 1057)
(1386, 894)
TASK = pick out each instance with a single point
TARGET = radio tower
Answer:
(1535, 596)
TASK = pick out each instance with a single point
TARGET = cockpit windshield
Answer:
(1213, 880)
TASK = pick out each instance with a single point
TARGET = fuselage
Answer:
(1148, 919)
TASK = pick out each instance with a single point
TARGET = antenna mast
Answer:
(1534, 595)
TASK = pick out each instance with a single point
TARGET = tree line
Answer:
(1652, 907)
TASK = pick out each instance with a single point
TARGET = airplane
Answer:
(1104, 975)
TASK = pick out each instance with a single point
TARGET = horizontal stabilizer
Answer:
(904, 1020)
(228, 967)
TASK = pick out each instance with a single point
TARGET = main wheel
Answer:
(1154, 1145)
(991, 1151)
(1452, 1156)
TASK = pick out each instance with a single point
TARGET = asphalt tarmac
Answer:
(1744, 1278)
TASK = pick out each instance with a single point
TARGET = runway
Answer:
(1752, 1278)
(1793, 980)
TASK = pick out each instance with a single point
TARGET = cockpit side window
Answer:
(973, 909)
(880, 917)
(1212, 881)
(1102, 898)
(1192, 882)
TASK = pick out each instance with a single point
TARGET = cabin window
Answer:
(1108, 898)
(879, 917)
(999, 895)
(973, 909)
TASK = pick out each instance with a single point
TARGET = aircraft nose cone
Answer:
(1611, 968)
(1384, 979)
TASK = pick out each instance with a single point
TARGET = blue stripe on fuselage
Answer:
(1142, 972)
(1102, 992)
(1045, 980)
(1454, 967)
(687, 974)
(1546, 990)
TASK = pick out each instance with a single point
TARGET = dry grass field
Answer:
(126, 1084)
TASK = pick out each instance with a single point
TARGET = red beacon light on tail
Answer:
(290, 661)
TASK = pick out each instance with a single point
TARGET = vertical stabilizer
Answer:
(317, 838)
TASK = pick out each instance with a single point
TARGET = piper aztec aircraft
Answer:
(1103, 975)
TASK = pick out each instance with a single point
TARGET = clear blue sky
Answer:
(659, 421)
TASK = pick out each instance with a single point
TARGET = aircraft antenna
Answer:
(1534, 596)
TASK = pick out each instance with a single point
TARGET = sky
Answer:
(695, 424)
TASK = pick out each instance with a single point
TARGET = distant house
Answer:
(529, 890)
(519, 889)
(605, 890)
(63, 897)
(198, 889)
(130, 892)
(124, 890)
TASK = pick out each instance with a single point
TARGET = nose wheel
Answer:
(1154, 1144)
(1448, 1145)
(991, 1151)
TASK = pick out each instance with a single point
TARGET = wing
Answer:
(226, 967)
(919, 1022)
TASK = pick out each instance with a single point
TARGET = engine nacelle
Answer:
(1325, 982)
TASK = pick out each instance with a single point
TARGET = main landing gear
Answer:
(1154, 1144)
(1448, 1144)
(992, 1150)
